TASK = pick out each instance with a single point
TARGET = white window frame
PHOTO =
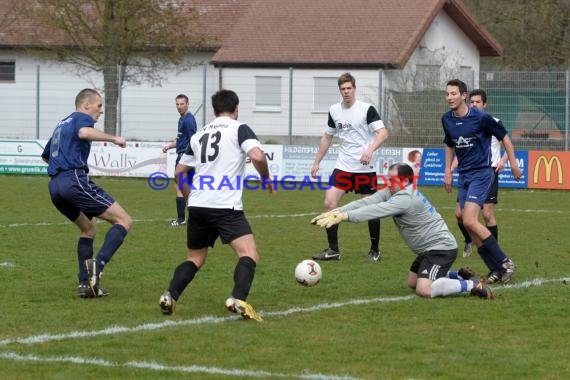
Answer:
(325, 93)
(268, 93)
(7, 71)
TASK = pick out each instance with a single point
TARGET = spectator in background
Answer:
(186, 128)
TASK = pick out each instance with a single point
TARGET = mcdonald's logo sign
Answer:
(548, 166)
(548, 169)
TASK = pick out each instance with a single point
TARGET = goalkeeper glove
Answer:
(329, 219)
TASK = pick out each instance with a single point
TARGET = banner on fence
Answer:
(541, 169)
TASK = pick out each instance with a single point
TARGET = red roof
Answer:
(360, 33)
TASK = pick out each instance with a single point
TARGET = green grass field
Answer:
(360, 322)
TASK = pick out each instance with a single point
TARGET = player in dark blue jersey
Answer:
(186, 129)
(76, 196)
(468, 134)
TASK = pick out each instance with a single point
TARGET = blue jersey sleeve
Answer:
(45, 153)
(494, 126)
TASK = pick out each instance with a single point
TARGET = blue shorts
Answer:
(73, 192)
(474, 186)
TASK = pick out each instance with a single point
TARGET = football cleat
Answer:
(102, 293)
(507, 271)
(467, 249)
(480, 289)
(327, 254)
(94, 276)
(177, 223)
(85, 292)
(494, 276)
(241, 307)
(466, 273)
(374, 255)
(167, 303)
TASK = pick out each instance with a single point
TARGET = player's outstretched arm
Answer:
(329, 219)
(93, 134)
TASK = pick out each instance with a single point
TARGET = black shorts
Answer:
(361, 183)
(493, 196)
(206, 224)
(73, 192)
(433, 264)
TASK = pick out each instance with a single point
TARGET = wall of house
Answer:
(44, 93)
(445, 45)
(306, 120)
(148, 112)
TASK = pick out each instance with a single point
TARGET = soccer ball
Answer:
(308, 273)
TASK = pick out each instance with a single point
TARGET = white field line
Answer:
(300, 215)
(113, 330)
(43, 224)
(154, 366)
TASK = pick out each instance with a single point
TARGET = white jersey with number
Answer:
(356, 128)
(218, 152)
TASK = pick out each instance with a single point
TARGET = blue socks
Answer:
(113, 240)
(84, 252)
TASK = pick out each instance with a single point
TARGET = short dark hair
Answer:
(181, 96)
(86, 93)
(458, 83)
(346, 77)
(404, 170)
(224, 101)
(479, 92)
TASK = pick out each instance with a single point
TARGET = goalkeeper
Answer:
(421, 227)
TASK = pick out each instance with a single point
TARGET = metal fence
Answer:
(534, 107)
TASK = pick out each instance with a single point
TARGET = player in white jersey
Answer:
(361, 132)
(422, 228)
(217, 152)
(478, 99)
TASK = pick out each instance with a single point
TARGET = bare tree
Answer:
(7, 15)
(128, 41)
(535, 34)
